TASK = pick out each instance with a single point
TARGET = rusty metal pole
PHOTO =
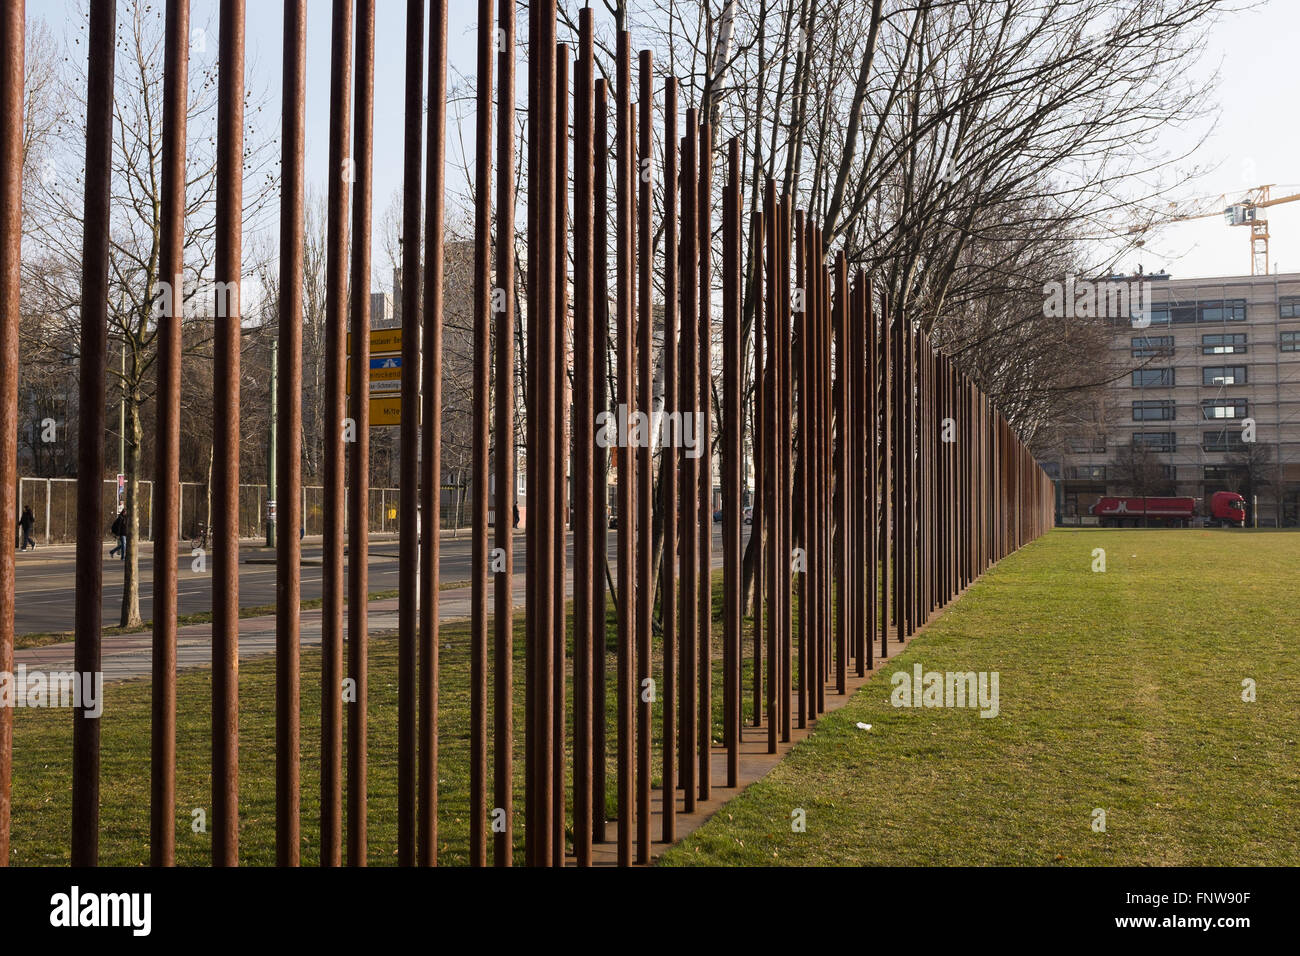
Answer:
(625, 217)
(810, 414)
(732, 371)
(600, 516)
(12, 44)
(504, 299)
(560, 496)
(644, 452)
(884, 356)
(771, 459)
(431, 428)
(704, 432)
(758, 432)
(336, 290)
(809, 425)
(225, 490)
(162, 817)
(900, 483)
(359, 413)
(801, 488)
(853, 474)
(826, 475)
(842, 461)
(530, 368)
(289, 438)
(408, 517)
(784, 462)
(688, 390)
(668, 472)
(584, 438)
(541, 413)
(913, 407)
(90, 457)
(873, 517)
(478, 688)
(861, 471)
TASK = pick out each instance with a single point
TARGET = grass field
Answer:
(43, 759)
(1119, 691)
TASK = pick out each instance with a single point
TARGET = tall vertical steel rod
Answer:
(600, 518)
(482, 362)
(644, 480)
(542, 447)
(626, 319)
(819, 391)
(841, 466)
(504, 298)
(704, 432)
(785, 469)
(560, 494)
(732, 370)
(758, 432)
(771, 457)
(162, 817)
(12, 41)
(90, 457)
(289, 438)
(408, 517)
(687, 396)
(668, 471)
(336, 290)
(803, 269)
(531, 369)
(359, 413)
(431, 434)
(873, 516)
(225, 484)
(584, 437)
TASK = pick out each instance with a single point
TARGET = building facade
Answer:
(1206, 397)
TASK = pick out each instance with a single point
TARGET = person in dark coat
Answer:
(26, 523)
(119, 530)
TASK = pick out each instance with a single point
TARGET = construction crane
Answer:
(1246, 211)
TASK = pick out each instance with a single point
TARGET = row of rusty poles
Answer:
(900, 472)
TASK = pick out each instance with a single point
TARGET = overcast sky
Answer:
(1256, 141)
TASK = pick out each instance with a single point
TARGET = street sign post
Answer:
(384, 376)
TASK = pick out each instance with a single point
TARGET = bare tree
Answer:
(135, 284)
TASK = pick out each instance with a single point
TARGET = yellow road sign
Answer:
(382, 340)
(385, 410)
(385, 373)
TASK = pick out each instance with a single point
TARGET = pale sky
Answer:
(1256, 141)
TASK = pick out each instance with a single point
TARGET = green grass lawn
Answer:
(1119, 691)
(43, 759)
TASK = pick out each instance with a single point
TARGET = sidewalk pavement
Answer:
(68, 549)
(129, 656)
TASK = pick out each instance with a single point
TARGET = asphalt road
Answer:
(45, 587)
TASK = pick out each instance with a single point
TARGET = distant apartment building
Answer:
(1207, 395)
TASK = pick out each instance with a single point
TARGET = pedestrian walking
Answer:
(119, 531)
(25, 524)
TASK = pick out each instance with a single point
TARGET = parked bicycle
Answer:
(200, 539)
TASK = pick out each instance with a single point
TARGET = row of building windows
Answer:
(1213, 473)
(1164, 410)
(1152, 346)
(1211, 375)
(1218, 310)
(1226, 439)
